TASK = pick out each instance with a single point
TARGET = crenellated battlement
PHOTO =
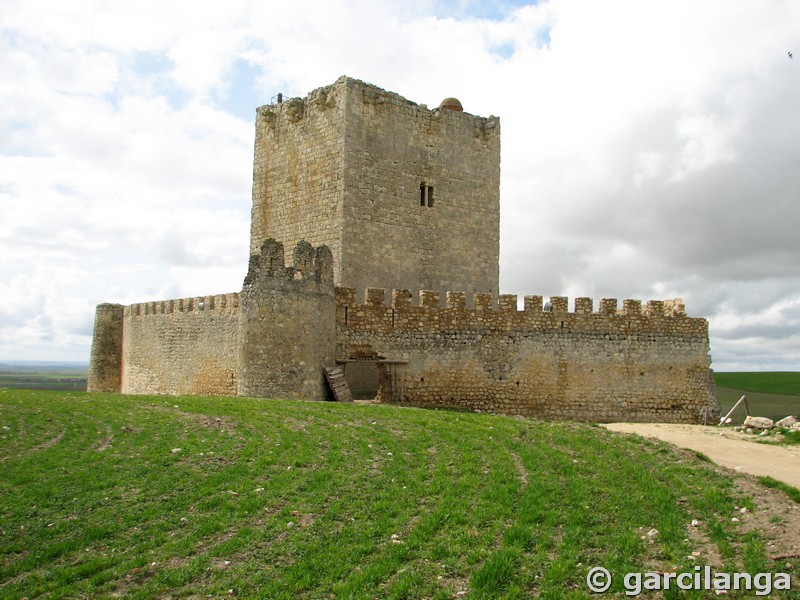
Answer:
(311, 268)
(548, 358)
(219, 303)
(291, 111)
(377, 297)
(401, 312)
(286, 322)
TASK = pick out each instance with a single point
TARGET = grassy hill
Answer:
(774, 395)
(104, 495)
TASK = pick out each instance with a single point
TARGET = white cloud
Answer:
(649, 148)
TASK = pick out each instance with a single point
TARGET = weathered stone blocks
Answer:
(105, 367)
(604, 366)
(286, 332)
(346, 167)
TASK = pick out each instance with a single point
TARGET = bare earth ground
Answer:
(775, 515)
(726, 447)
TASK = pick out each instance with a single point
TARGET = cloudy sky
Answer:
(651, 149)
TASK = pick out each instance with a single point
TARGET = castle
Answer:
(374, 194)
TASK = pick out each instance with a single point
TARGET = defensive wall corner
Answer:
(287, 323)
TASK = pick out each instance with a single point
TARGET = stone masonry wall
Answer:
(287, 323)
(297, 172)
(185, 346)
(392, 147)
(105, 366)
(343, 167)
(340, 176)
(636, 363)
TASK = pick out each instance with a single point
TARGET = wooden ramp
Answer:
(335, 378)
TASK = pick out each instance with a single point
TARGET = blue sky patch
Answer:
(239, 95)
(479, 9)
(152, 69)
(505, 50)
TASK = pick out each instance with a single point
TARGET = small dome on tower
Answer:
(451, 104)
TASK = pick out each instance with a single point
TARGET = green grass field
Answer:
(787, 383)
(773, 395)
(105, 495)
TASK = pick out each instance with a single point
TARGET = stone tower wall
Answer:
(287, 323)
(394, 146)
(637, 363)
(343, 167)
(105, 367)
(297, 172)
(184, 346)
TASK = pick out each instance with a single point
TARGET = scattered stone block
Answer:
(758, 422)
(787, 422)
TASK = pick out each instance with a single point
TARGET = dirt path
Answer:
(725, 447)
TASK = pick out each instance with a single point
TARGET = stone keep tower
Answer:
(405, 197)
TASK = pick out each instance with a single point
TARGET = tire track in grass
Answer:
(19, 431)
(12, 434)
(101, 426)
(528, 529)
(420, 515)
(105, 443)
(103, 417)
(51, 515)
(271, 539)
(50, 443)
(291, 472)
(522, 472)
(478, 516)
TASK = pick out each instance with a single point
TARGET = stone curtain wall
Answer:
(393, 146)
(287, 323)
(629, 362)
(185, 346)
(270, 341)
(637, 363)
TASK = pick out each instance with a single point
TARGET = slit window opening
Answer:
(425, 195)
